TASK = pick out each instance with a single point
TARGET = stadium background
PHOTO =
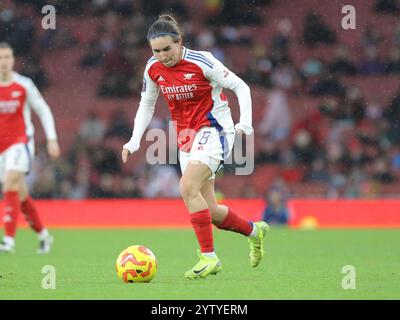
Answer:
(326, 101)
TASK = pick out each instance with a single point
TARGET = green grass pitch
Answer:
(298, 264)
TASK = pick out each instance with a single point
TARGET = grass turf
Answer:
(298, 264)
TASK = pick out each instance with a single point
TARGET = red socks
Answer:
(201, 222)
(236, 223)
(32, 217)
(12, 209)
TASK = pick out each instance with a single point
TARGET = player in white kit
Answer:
(18, 95)
(191, 83)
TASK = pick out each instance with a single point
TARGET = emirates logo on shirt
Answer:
(178, 89)
(10, 106)
(179, 92)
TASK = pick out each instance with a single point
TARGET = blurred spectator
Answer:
(396, 35)
(78, 188)
(163, 182)
(153, 8)
(370, 63)
(374, 109)
(341, 63)
(284, 76)
(46, 186)
(386, 6)
(212, 10)
(120, 126)
(229, 35)
(276, 211)
(17, 27)
(371, 37)
(105, 160)
(330, 107)
(259, 72)
(33, 68)
(281, 40)
(115, 84)
(277, 120)
(317, 173)
(100, 6)
(327, 84)
(303, 147)
(312, 67)
(392, 114)
(395, 160)
(382, 171)
(336, 154)
(268, 153)
(60, 38)
(240, 11)
(92, 129)
(122, 7)
(105, 187)
(129, 189)
(393, 63)
(353, 106)
(205, 39)
(316, 31)
(94, 55)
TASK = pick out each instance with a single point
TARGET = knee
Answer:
(12, 181)
(189, 189)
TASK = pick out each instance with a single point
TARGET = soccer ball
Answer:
(136, 264)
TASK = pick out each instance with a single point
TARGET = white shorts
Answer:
(211, 147)
(17, 157)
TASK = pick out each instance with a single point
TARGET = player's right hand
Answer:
(129, 148)
(53, 149)
(124, 155)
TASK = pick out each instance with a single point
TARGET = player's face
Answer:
(6, 60)
(166, 50)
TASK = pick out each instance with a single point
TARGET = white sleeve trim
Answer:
(145, 111)
(42, 109)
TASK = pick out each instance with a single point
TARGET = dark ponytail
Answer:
(165, 26)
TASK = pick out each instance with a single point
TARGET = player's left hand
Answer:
(53, 149)
(243, 129)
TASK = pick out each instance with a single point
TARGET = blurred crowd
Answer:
(347, 142)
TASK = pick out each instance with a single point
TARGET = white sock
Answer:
(253, 233)
(43, 234)
(209, 254)
(9, 240)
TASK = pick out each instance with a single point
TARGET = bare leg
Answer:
(12, 183)
(195, 176)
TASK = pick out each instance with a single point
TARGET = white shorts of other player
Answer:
(210, 146)
(17, 157)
